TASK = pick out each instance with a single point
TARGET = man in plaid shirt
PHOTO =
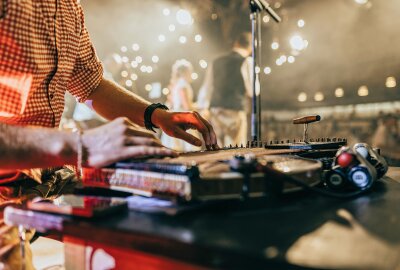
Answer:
(45, 50)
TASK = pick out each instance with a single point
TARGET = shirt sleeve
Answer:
(88, 70)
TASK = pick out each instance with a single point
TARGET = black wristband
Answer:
(149, 111)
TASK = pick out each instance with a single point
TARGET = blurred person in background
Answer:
(180, 99)
(226, 89)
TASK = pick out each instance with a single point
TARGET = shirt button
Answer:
(51, 96)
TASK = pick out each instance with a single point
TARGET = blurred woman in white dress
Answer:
(180, 98)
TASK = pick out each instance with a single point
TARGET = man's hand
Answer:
(175, 124)
(118, 140)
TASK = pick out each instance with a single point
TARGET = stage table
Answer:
(297, 231)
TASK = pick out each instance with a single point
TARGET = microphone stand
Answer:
(256, 7)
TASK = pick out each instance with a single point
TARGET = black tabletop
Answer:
(295, 231)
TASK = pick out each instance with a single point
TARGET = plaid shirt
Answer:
(45, 51)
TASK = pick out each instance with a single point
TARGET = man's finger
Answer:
(213, 136)
(182, 134)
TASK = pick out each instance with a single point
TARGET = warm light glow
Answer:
(283, 58)
(161, 38)
(214, 16)
(267, 70)
(258, 69)
(319, 96)
(195, 76)
(148, 87)
(297, 42)
(266, 18)
(339, 92)
(391, 82)
(134, 76)
(125, 59)
(149, 69)
(275, 45)
(301, 23)
(143, 68)
(124, 49)
(182, 39)
(184, 17)
(291, 59)
(135, 47)
(128, 83)
(124, 73)
(363, 91)
(155, 59)
(198, 38)
(279, 62)
(302, 97)
(165, 91)
(203, 63)
(166, 11)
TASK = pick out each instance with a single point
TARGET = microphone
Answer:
(263, 5)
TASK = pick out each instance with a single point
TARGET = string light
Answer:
(266, 18)
(195, 76)
(339, 92)
(124, 73)
(148, 87)
(149, 69)
(139, 59)
(128, 83)
(302, 97)
(363, 91)
(182, 39)
(391, 82)
(267, 70)
(275, 45)
(166, 11)
(125, 59)
(301, 23)
(184, 17)
(291, 59)
(319, 96)
(165, 91)
(143, 69)
(297, 42)
(203, 63)
(161, 38)
(124, 49)
(171, 27)
(198, 38)
(155, 59)
(134, 76)
(258, 70)
(134, 64)
(135, 47)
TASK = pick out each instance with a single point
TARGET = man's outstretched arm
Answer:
(111, 100)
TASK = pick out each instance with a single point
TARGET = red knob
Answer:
(345, 160)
